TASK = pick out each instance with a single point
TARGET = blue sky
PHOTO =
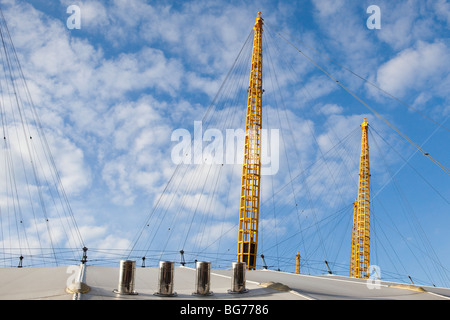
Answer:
(110, 95)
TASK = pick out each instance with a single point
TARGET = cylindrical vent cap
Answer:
(126, 277)
(203, 278)
(238, 278)
(165, 279)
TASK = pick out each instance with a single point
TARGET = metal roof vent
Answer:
(126, 277)
(238, 278)
(165, 279)
(203, 278)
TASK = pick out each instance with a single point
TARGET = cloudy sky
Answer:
(114, 95)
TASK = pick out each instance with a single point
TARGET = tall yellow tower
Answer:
(251, 168)
(360, 253)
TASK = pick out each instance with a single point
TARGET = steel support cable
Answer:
(165, 209)
(229, 120)
(232, 173)
(392, 222)
(208, 208)
(331, 128)
(48, 153)
(312, 226)
(406, 241)
(196, 208)
(2, 234)
(9, 182)
(333, 177)
(160, 210)
(206, 117)
(414, 222)
(290, 183)
(235, 86)
(9, 172)
(284, 142)
(367, 81)
(315, 162)
(330, 224)
(225, 122)
(404, 136)
(9, 160)
(59, 187)
(333, 228)
(393, 177)
(377, 218)
(282, 208)
(177, 168)
(9, 168)
(407, 162)
(336, 219)
(389, 250)
(222, 233)
(68, 233)
(285, 148)
(227, 114)
(18, 104)
(192, 183)
(398, 189)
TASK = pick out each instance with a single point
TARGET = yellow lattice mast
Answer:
(297, 263)
(360, 253)
(251, 168)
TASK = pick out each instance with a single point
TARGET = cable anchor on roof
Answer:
(183, 262)
(264, 262)
(20, 262)
(84, 259)
(328, 267)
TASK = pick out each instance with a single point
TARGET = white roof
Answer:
(99, 282)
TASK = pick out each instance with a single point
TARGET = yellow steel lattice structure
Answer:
(360, 253)
(251, 168)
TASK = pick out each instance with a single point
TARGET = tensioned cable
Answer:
(413, 223)
(178, 167)
(415, 145)
(275, 84)
(369, 82)
(225, 118)
(22, 120)
(10, 58)
(50, 159)
(328, 169)
(407, 162)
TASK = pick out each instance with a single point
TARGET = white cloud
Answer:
(423, 66)
(69, 159)
(99, 237)
(329, 109)
(406, 22)
(442, 8)
(327, 8)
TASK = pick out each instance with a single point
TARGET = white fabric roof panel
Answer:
(52, 283)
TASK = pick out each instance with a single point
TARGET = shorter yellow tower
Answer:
(297, 263)
(360, 251)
